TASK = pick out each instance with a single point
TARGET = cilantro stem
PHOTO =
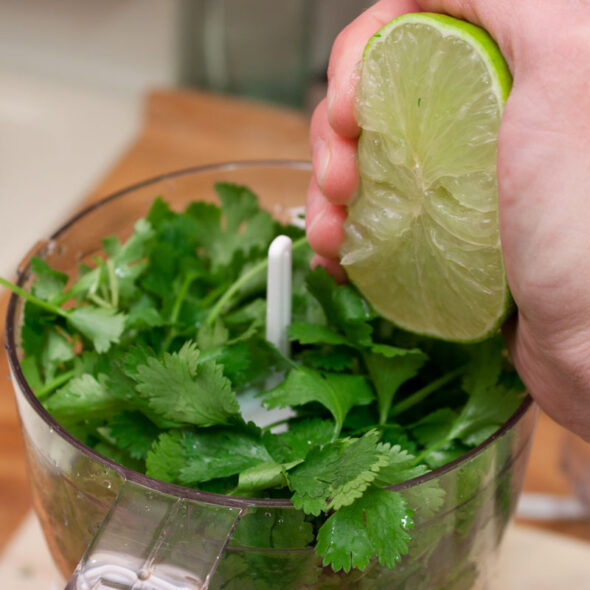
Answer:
(113, 284)
(425, 391)
(34, 300)
(241, 281)
(419, 458)
(54, 384)
(188, 280)
(98, 300)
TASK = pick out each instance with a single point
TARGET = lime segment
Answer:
(422, 237)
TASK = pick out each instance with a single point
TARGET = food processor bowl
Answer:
(108, 526)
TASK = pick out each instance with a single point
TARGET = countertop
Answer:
(182, 129)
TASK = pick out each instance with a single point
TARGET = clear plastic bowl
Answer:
(117, 526)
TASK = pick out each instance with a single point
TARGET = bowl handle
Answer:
(156, 541)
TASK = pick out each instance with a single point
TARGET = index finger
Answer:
(347, 53)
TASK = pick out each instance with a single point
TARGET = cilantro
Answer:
(181, 388)
(102, 326)
(50, 283)
(337, 393)
(191, 457)
(375, 525)
(144, 354)
(485, 408)
(82, 396)
(261, 477)
(337, 474)
(400, 466)
(389, 368)
(313, 334)
(345, 309)
(301, 437)
(134, 433)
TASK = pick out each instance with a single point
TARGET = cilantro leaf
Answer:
(389, 369)
(337, 393)
(57, 350)
(103, 327)
(301, 437)
(220, 453)
(247, 362)
(306, 333)
(426, 499)
(134, 433)
(144, 314)
(375, 525)
(118, 274)
(485, 408)
(261, 477)
(433, 426)
(400, 466)
(212, 336)
(159, 212)
(345, 309)
(484, 366)
(166, 458)
(331, 359)
(182, 389)
(280, 529)
(203, 455)
(337, 474)
(247, 226)
(80, 398)
(49, 283)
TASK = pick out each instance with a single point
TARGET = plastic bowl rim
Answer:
(172, 489)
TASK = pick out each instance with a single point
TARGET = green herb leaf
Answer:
(337, 474)
(389, 372)
(375, 525)
(49, 283)
(182, 389)
(246, 225)
(261, 477)
(204, 455)
(302, 436)
(306, 333)
(134, 433)
(486, 407)
(166, 457)
(485, 365)
(212, 336)
(57, 350)
(278, 529)
(103, 327)
(337, 393)
(434, 426)
(401, 466)
(345, 309)
(81, 398)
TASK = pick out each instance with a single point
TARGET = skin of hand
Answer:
(543, 180)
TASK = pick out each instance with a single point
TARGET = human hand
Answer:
(543, 175)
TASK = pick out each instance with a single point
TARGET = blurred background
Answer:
(96, 94)
(74, 75)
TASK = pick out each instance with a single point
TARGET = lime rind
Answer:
(422, 240)
(478, 38)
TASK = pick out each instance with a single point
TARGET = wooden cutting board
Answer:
(183, 129)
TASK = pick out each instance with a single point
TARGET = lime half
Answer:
(422, 237)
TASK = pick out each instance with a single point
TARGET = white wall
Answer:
(117, 45)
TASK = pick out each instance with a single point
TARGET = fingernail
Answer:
(330, 96)
(321, 160)
(318, 216)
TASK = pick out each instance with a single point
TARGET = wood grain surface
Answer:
(183, 129)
